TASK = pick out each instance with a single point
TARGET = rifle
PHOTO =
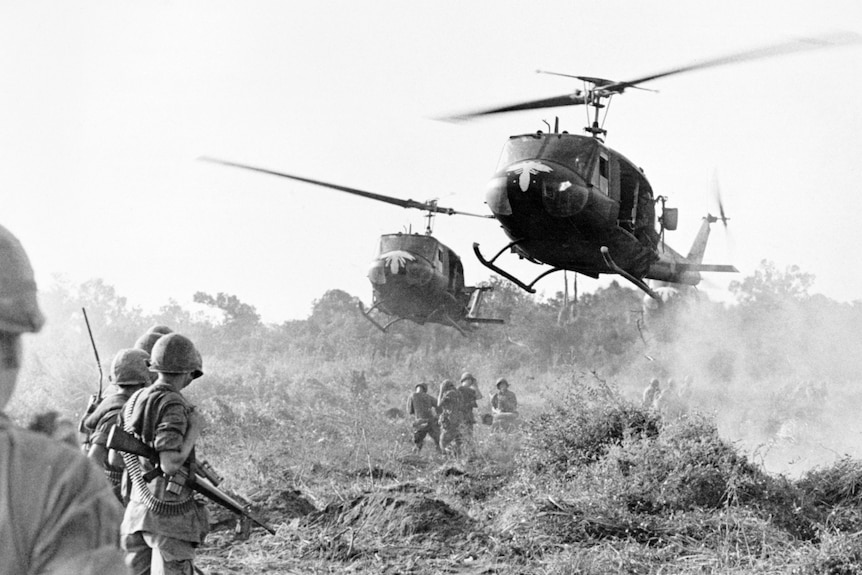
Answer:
(96, 398)
(120, 440)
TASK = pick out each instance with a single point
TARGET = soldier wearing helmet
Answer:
(57, 513)
(423, 408)
(471, 395)
(129, 373)
(651, 394)
(149, 339)
(164, 523)
(449, 406)
(504, 406)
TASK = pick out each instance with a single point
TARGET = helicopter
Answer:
(413, 276)
(570, 202)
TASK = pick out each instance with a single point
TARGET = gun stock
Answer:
(120, 440)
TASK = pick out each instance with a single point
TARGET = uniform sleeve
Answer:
(103, 427)
(80, 522)
(171, 428)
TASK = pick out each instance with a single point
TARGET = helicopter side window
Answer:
(602, 174)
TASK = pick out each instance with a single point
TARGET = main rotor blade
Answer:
(797, 45)
(603, 87)
(575, 99)
(425, 206)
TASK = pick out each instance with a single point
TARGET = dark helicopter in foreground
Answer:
(571, 202)
(413, 276)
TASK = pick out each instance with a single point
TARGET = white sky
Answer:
(106, 105)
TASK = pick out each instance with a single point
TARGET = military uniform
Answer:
(129, 372)
(504, 405)
(470, 396)
(164, 523)
(56, 510)
(451, 415)
(99, 424)
(423, 408)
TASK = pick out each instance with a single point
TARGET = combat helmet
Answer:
(502, 381)
(467, 376)
(19, 310)
(160, 329)
(146, 342)
(175, 353)
(130, 367)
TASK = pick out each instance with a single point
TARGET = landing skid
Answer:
(490, 265)
(367, 315)
(606, 254)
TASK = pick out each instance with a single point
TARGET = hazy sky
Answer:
(107, 105)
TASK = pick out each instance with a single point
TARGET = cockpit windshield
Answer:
(575, 152)
(425, 246)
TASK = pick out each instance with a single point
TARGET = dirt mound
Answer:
(273, 506)
(286, 504)
(402, 513)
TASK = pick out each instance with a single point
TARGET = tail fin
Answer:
(698, 247)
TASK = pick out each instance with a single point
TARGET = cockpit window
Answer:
(425, 246)
(575, 152)
(520, 148)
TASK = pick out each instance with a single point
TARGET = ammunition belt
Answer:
(133, 464)
(114, 475)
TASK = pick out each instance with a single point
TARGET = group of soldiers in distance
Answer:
(670, 400)
(449, 419)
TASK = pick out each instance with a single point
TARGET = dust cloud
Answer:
(780, 376)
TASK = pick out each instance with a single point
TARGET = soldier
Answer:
(668, 401)
(423, 408)
(451, 415)
(651, 394)
(470, 396)
(129, 373)
(504, 406)
(164, 523)
(57, 513)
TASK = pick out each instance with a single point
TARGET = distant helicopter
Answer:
(413, 276)
(571, 202)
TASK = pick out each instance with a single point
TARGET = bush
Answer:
(581, 428)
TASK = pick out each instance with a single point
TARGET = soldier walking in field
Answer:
(651, 394)
(451, 416)
(129, 373)
(164, 523)
(470, 396)
(423, 408)
(57, 512)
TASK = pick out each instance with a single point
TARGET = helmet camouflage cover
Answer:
(131, 367)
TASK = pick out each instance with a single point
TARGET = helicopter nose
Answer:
(562, 192)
